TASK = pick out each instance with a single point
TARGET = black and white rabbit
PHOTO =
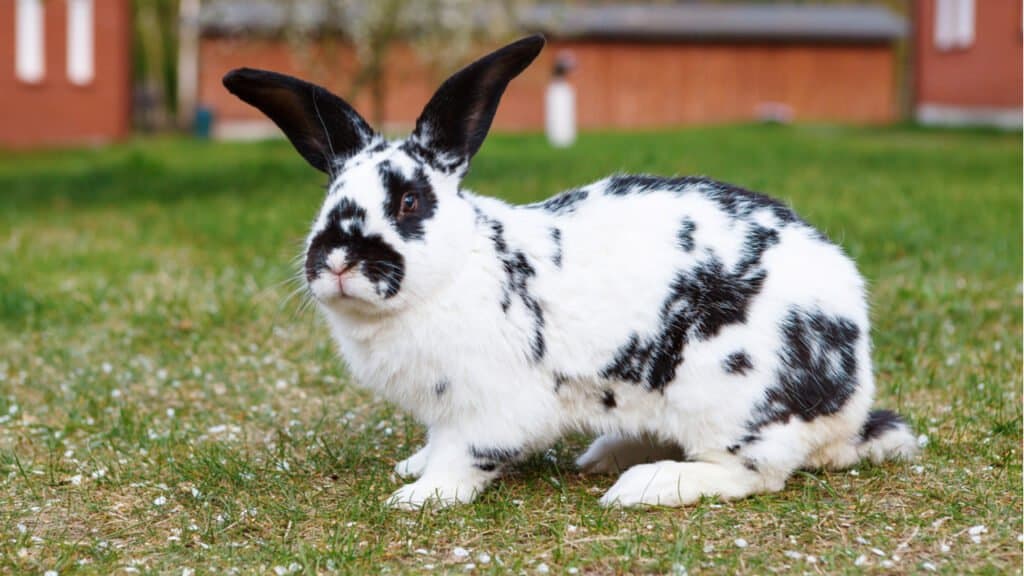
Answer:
(714, 340)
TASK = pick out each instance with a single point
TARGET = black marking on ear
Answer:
(878, 423)
(441, 387)
(737, 363)
(556, 237)
(608, 399)
(322, 127)
(564, 203)
(490, 459)
(396, 186)
(684, 237)
(458, 116)
(382, 265)
(518, 273)
(817, 370)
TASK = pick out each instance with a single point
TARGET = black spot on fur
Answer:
(396, 186)
(489, 459)
(737, 363)
(750, 464)
(735, 201)
(560, 380)
(817, 368)
(518, 273)
(441, 387)
(685, 236)
(756, 242)
(744, 441)
(608, 400)
(879, 422)
(377, 260)
(564, 203)
(556, 237)
(700, 302)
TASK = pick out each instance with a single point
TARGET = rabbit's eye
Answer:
(409, 203)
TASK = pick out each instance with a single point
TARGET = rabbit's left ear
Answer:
(458, 116)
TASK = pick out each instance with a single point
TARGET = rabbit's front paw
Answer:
(413, 466)
(432, 492)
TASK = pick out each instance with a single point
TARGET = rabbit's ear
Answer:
(458, 116)
(321, 126)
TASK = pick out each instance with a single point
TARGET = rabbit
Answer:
(712, 340)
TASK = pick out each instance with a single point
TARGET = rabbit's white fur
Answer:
(713, 340)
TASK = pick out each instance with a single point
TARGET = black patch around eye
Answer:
(409, 225)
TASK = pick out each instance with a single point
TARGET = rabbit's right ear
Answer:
(321, 126)
(458, 116)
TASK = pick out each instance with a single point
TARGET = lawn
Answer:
(166, 406)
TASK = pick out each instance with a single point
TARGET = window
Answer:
(954, 24)
(29, 54)
(80, 41)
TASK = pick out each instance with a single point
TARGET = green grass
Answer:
(164, 406)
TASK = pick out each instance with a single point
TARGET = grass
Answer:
(164, 407)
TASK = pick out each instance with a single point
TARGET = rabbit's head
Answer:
(393, 228)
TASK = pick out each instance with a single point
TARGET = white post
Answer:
(560, 105)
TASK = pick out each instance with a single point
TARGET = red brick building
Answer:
(639, 66)
(968, 62)
(65, 71)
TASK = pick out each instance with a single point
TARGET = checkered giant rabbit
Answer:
(711, 339)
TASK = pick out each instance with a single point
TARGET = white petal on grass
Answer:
(861, 560)
(460, 552)
(542, 568)
(159, 501)
(922, 440)
(740, 543)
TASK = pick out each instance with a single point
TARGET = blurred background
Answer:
(94, 71)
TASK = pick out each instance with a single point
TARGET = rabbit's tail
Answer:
(886, 436)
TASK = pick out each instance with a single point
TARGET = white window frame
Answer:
(81, 42)
(30, 41)
(954, 24)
